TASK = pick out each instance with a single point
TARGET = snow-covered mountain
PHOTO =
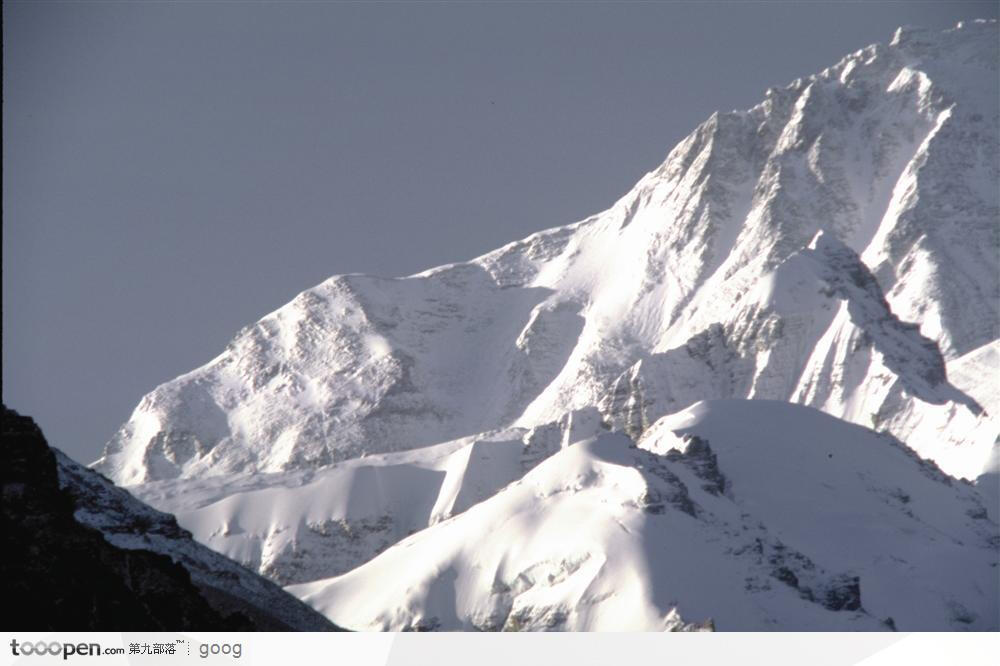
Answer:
(751, 515)
(836, 246)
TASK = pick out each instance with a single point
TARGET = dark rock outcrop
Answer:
(61, 573)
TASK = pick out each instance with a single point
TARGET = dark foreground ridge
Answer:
(61, 574)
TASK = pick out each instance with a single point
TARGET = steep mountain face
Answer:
(835, 247)
(83, 554)
(690, 287)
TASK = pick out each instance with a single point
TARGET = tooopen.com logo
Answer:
(55, 648)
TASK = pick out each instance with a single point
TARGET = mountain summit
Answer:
(704, 281)
(834, 247)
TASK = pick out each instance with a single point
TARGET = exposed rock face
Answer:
(60, 571)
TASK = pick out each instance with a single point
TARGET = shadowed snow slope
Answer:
(752, 514)
(835, 246)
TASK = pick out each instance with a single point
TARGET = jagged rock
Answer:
(62, 568)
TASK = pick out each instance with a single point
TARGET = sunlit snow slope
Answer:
(753, 515)
(694, 285)
(836, 246)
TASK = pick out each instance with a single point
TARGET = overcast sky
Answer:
(175, 171)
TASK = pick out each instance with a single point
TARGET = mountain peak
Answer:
(890, 154)
(638, 421)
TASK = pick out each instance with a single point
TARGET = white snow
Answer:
(605, 536)
(836, 246)
(300, 526)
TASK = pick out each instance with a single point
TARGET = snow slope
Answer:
(835, 247)
(745, 515)
(891, 154)
(301, 526)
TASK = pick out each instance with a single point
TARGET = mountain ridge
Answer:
(82, 553)
(545, 325)
(715, 519)
(821, 268)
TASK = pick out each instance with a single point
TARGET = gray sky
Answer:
(174, 171)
